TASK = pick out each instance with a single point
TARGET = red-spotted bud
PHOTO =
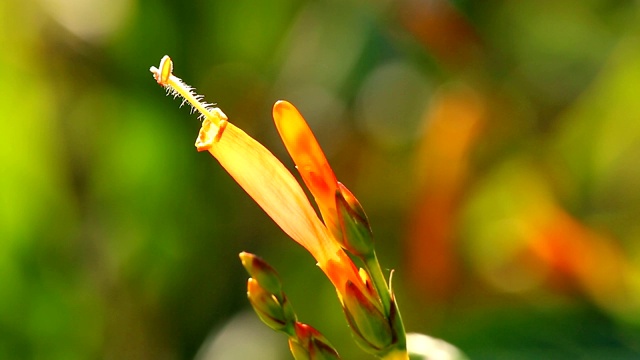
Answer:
(355, 233)
(263, 273)
(276, 314)
(370, 327)
(310, 344)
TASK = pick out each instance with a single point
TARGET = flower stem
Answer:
(379, 281)
(392, 312)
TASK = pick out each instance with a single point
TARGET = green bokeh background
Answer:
(494, 144)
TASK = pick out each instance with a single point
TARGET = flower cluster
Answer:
(341, 242)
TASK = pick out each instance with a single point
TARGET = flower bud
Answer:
(263, 273)
(277, 315)
(298, 351)
(369, 325)
(355, 232)
(310, 344)
(321, 350)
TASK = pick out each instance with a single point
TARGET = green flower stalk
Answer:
(357, 238)
(349, 227)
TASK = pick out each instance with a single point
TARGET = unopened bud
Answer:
(310, 344)
(276, 314)
(370, 327)
(298, 351)
(263, 273)
(355, 231)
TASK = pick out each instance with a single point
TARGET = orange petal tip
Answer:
(280, 107)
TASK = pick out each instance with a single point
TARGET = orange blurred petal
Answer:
(308, 157)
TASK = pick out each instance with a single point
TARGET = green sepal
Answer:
(298, 351)
(355, 233)
(313, 343)
(368, 323)
(397, 326)
(262, 272)
(275, 314)
(323, 351)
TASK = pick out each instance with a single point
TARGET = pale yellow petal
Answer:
(278, 193)
(270, 184)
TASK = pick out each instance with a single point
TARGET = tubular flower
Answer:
(268, 181)
(368, 303)
(278, 193)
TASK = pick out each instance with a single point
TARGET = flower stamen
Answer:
(175, 86)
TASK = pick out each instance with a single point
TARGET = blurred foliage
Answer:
(494, 144)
